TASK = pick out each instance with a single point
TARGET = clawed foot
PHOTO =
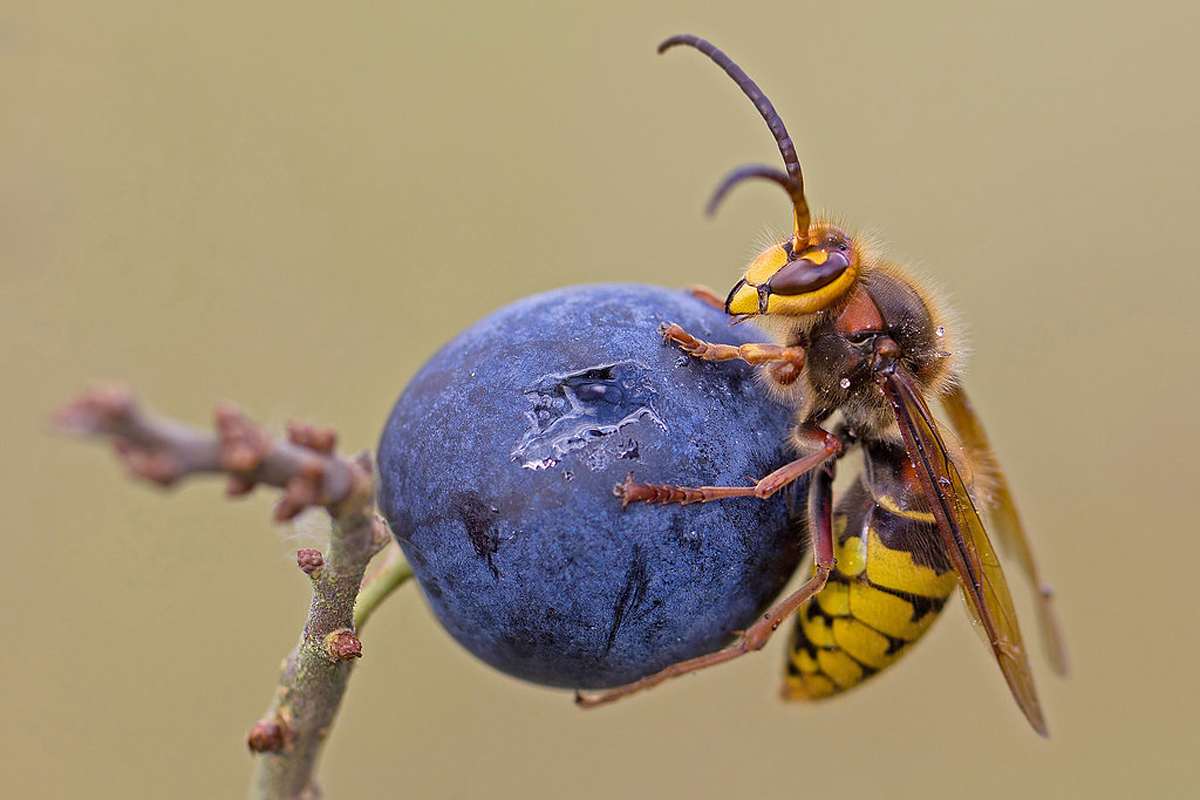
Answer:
(631, 492)
(602, 697)
(673, 333)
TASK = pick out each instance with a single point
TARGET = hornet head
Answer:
(819, 264)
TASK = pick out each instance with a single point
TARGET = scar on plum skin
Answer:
(476, 518)
(573, 411)
(633, 591)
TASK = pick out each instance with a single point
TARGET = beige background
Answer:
(294, 206)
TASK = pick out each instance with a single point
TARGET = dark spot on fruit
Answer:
(629, 599)
(477, 518)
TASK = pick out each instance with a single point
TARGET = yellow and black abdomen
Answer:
(891, 581)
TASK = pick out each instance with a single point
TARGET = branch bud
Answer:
(267, 736)
(343, 645)
(310, 561)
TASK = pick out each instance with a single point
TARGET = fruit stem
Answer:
(392, 573)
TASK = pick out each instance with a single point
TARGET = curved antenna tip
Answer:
(749, 88)
(793, 186)
(671, 41)
(714, 202)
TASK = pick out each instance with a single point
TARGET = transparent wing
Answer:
(1006, 523)
(988, 599)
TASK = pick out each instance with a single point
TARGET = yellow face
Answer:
(781, 281)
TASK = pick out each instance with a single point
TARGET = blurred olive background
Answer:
(293, 205)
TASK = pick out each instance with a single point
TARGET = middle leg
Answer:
(828, 446)
(757, 635)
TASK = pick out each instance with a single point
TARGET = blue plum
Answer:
(497, 469)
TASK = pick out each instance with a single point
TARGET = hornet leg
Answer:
(757, 635)
(707, 296)
(828, 447)
(786, 362)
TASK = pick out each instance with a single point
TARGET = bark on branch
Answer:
(289, 736)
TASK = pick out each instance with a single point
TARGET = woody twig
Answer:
(289, 736)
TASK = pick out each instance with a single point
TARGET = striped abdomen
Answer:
(890, 583)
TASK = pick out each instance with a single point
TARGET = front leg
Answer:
(786, 362)
(828, 446)
(707, 296)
